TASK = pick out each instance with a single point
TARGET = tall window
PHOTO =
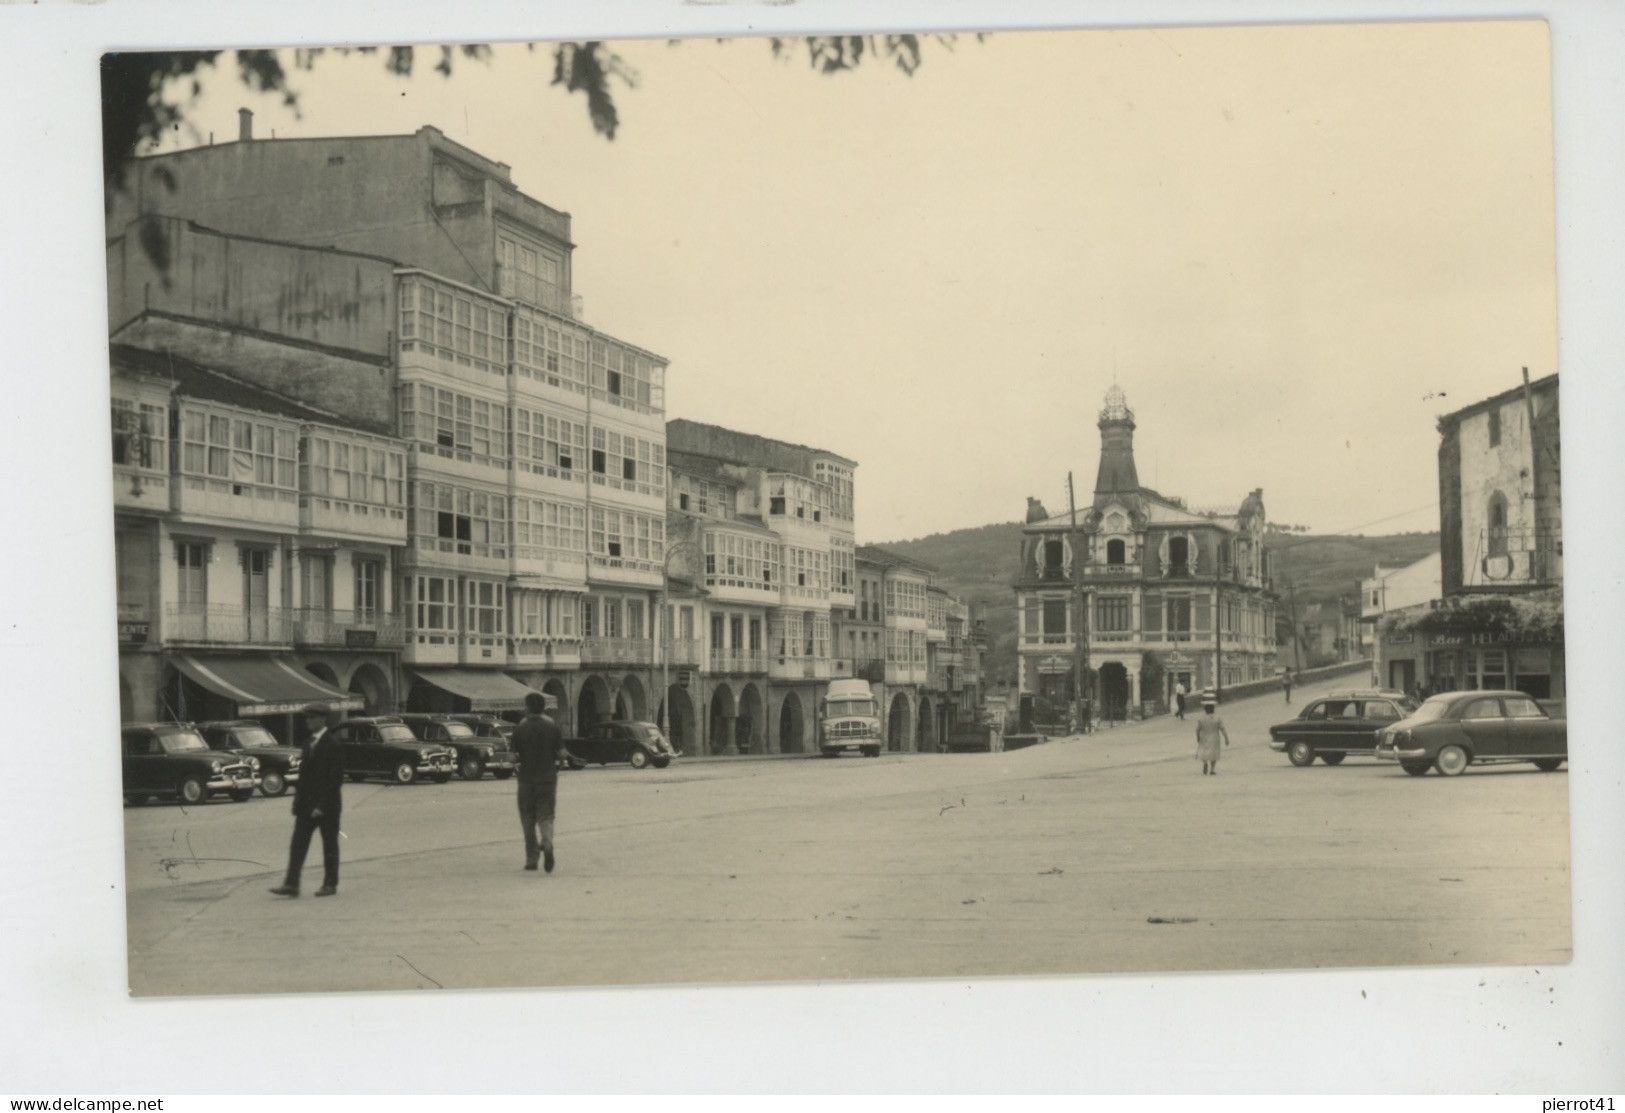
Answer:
(1178, 552)
(1116, 551)
(368, 592)
(1112, 613)
(1179, 617)
(435, 603)
(634, 618)
(1054, 616)
(192, 576)
(1496, 519)
(1495, 427)
(139, 434)
(317, 588)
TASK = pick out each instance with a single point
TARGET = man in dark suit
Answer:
(537, 742)
(317, 800)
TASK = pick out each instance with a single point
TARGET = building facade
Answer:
(1408, 590)
(1137, 594)
(1499, 622)
(406, 283)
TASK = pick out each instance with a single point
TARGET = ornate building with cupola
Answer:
(1137, 593)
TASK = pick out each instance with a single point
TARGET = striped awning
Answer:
(263, 685)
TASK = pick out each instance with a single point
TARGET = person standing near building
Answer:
(1210, 733)
(536, 742)
(317, 800)
(1286, 684)
(1179, 700)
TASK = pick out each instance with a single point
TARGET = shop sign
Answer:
(133, 633)
(360, 639)
(1474, 637)
(1400, 639)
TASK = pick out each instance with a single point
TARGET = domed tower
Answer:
(1117, 475)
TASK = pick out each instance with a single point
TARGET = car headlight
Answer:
(254, 763)
(219, 766)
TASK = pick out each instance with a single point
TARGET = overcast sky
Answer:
(1292, 247)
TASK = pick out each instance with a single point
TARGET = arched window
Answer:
(1116, 551)
(1052, 558)
(1495, 519)
(1179, 552)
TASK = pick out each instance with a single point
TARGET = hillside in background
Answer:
(979, 566)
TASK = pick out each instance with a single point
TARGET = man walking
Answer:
(536, 742)
(317, 800)
(1179, 700)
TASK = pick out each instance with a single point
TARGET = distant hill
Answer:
(979, 566)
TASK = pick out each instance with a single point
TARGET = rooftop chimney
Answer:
(245, 124)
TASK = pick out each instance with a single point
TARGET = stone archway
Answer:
(752, 721)
(925, 733)
(1114, 691)
(677, 717)
(631, 702)
(792, 725)
(593, 704)
(897, 723)
(369, 682)
(322, 671)
(720, 724)
(556, 688)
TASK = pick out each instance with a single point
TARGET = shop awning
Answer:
(263, 685)
(484, 691)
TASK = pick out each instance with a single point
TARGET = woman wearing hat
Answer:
(1210, 733)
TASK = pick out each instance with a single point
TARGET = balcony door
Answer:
(256, 594)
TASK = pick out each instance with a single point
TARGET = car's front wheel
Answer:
(191, 791)
(1450, 761)
(272, 783)
(471, 768)
(1415, 768)
(1548, 765)
(405, 774)
(638, 758)
(1333, 759)
(1300, 753)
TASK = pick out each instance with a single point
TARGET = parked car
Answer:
(1453, 730)
(172, 759)
(474, 754)
(639, 744)
(383, 746)
(278, 764)
(491, 726)
(1339, 724)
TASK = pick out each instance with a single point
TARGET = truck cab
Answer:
(849, 719)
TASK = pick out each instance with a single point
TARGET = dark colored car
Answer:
(491, 726)
(638, 744)
(1337, 725)
(475, 754)
(383, 746)
(1453, 730)
(172, 759)
(278, 764)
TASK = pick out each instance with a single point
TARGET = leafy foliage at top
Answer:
(141, 91)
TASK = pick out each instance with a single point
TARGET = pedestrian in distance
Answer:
(537, 742)
(1286, 684)
(317, 800)
(1210, 733)
(1179, 700)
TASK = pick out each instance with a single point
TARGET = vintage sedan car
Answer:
(474, 754)
(639, 744)
(1339, 724)
(490, 726)
(1453, 730)
(172, 759)
(278, 764)
(383, 746)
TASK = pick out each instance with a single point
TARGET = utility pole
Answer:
(1080, 611)
(1297, 643)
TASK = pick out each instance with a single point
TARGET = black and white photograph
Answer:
(1046, 511)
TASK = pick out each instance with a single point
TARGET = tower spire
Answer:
(1117, 474)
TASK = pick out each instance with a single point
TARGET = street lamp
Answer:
(663, 623)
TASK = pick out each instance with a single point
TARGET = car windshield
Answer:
(459, 730)
(838, 707)
(396, 732)
(182, 742)
(254, 738)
